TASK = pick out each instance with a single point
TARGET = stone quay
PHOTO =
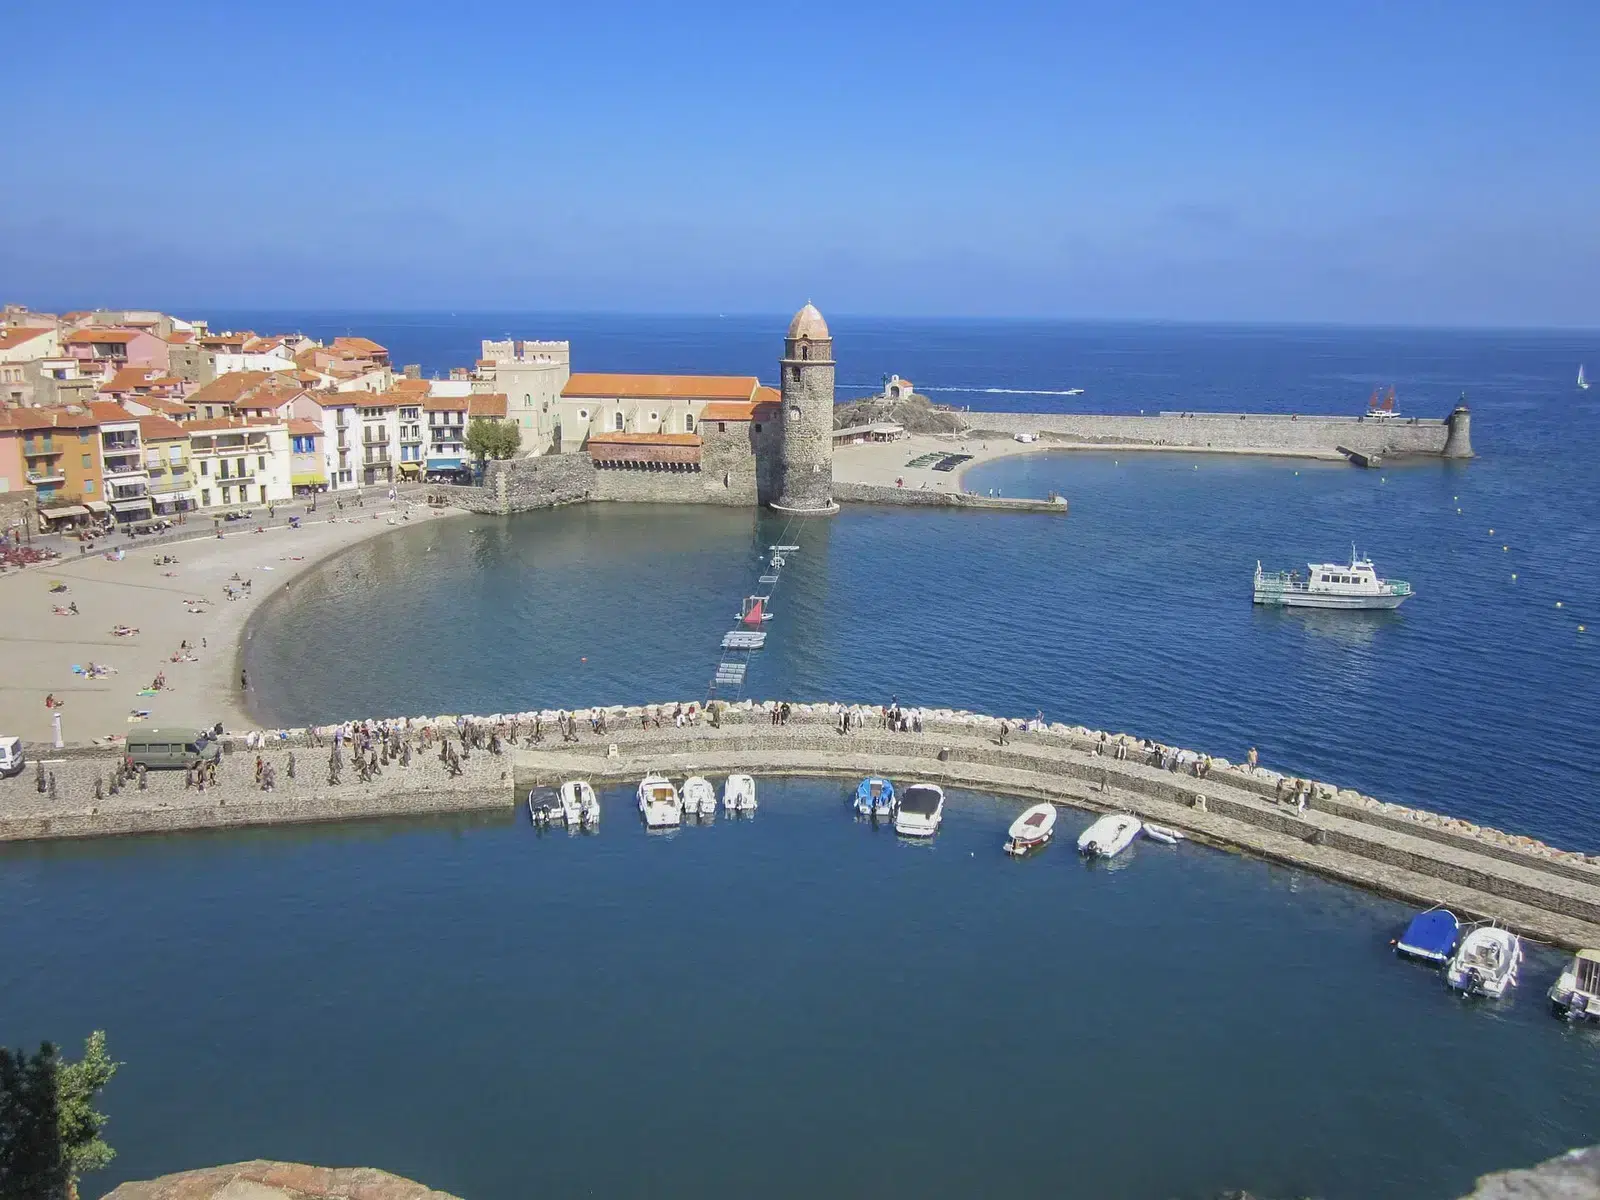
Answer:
(1425, 858)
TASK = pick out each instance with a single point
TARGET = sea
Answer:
(798, 1004)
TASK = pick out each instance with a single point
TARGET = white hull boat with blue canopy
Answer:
(920, 811)
(739, 794)
(1109, 836)
(875, 797)
(1431, 937)
(1486, 963)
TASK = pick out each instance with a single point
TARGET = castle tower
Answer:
(805, 440)
(1458, 439)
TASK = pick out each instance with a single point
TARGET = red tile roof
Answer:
(161, 404)
(230, 388)
(107, 413)
(83, 337)
(661, 387)
(305, 427)
(224, 425)
(18, 335)
(491, 405)
(51, 418)
(446, 404)
(644, 439)
(416, 386)
(160, 429)
(359, 346)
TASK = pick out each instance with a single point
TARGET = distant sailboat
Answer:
(1583, 384)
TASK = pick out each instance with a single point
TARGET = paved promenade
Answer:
(1424, 858)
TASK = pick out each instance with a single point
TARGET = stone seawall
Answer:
(1232, 432)
(873, 493)
(1423, 857)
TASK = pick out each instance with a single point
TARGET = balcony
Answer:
(29, 450)
(112, 443)
(129, 493)
(48, 476)
(380, 459)
(380, 440)
(116, 468)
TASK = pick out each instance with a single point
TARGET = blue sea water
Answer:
(797, 1005)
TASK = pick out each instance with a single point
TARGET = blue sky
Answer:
(1414, 163)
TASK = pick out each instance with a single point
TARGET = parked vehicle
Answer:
(12, 760)
(180, 748)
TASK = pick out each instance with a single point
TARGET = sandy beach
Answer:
(168, 605)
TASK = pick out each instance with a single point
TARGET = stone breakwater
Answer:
(1544, 892)
(1315, 436)
(874, 493)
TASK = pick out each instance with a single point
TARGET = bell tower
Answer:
(805, 448)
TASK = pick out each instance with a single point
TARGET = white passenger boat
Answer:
(1032, 829)
(920, 810)
(658, 801)
(739, 794)
(699, 797)
(579, 804)
(1109, 836)
(1576, 992)
(1330, 585)
(1486, 962)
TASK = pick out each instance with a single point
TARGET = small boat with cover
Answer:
(1032, 829)
(1576, 991)
(739, 794)
(920, 810)
(659, 803)
(1109, 836)
(579, 804)
(544, 807)
(1486, 963)
(875, 797)
(699, 797)
(1431, 937)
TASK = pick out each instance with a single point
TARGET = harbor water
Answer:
(798, 1004)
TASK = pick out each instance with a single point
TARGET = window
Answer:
(88, 487)
(527, 398)
(794, 412)
(655, 417)
(205, 466)
(722, 427)
(618, 425)
(794, 372)
(261, 462)
(205, 495)
(758, 426)
(85, 462)
(583, 414)
(227, 495)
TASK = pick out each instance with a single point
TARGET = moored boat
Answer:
(1330, 585)
(1109, 836)
(1576, 991)
(739, 794)
(544, 807)
(1486, 962)
(699, 797)
(1032, 829)
(1162, 833)
(658, 801)
(579, 804)
(874, 797)
(920, 810)
(1431, 937)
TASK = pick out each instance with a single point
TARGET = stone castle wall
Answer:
(1228, 431)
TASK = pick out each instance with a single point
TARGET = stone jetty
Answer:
(1425, 858)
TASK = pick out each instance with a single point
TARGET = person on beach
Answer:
(1005, 733)
(244, 681)
(1251, 759)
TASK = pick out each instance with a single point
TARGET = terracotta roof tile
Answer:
(51, 418)
(661, 387)
(18, 335)
(491, 405)
(446, 404)
(224, 425)
(305, 427)
(229, 388)
(644, 439)
(358, 345)
(728, 410)
(107, 413)
(160, 429)
(84, 337)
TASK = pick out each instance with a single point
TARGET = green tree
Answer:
(492, 439)
(49, 1129)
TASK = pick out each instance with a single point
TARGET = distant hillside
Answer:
(916, 413)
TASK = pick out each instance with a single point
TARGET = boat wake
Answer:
(1000, 391)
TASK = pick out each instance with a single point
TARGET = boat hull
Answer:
(1274, 599)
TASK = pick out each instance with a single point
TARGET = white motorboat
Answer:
(1109, 836)
(1032, 829)
(1576, 992)
(1163, 834)
(544, 807)
(1330, 585)
(739, 794)
(658, 801)
(874, 797)
(1486, 962)
(920, 810)
(699, 797)
(579, 803)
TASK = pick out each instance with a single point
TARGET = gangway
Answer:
(749, 635)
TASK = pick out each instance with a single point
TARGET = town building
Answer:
(109, 350)
(13, 478)
(166, 458)
(58, 381)
(532, 375)
(126, 482)
(380, 438)
(593, 403)
(240, 461)
(61, 461)
(308, 471)
(446, 449)
(20, 346)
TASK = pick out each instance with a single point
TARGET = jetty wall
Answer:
(1383, 437)
(1426, 858)
(875, 493)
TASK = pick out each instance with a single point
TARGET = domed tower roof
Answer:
(808, 323)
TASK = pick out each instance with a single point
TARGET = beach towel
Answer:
(147, 691)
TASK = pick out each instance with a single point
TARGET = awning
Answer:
(410, 468)
(69, 510)
(444, 464)
(307, 479)
(133, 502)
(97, 506)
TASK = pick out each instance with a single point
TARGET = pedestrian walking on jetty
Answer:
(1251, 759)
(1005, 733)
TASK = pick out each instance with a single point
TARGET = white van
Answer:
(11, 759)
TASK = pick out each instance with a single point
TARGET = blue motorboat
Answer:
(1431, 937)
(874, 797)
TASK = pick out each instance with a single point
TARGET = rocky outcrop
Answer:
(1573, 1176)
(916, 413)
(263, 1180)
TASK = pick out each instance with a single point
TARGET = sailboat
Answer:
(1583, 384)
(1384, 407)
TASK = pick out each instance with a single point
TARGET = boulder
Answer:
(263, 1180)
